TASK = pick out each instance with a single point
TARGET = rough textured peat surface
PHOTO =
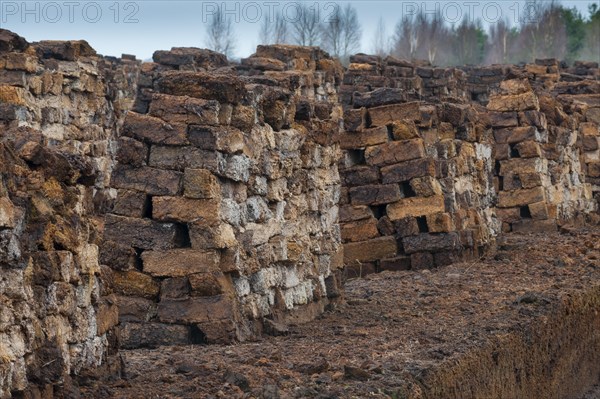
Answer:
(227, 192)
(60, 106)
(439, 161)
(193, 200)
(522, 324)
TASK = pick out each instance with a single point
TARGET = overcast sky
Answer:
(143, 26)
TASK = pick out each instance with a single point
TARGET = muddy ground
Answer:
(393, 333)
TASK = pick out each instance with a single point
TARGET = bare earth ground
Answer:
(391, 331)
(593, 394)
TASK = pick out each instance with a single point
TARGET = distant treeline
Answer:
(555, 32)
(552, 31)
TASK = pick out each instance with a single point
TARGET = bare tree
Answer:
(380, 41)
(281, 31)
(274, 30)
(352, 32)
(341, 34)
(543, 33)
(590, 50)
(499, 43)
(220, 34)
(266, 31)
(306, 27)
(469, 42)
(332, 32)
(406, 38)
(420, 36)
(435, 33)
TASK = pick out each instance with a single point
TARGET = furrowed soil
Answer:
(524, 323)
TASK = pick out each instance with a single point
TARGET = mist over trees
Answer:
(556, 32)
(548, 30)
(544, 36)
(469, 42)
(553, 31)
(583, 35)
(380, 45)
(499, 42)
(422, 37)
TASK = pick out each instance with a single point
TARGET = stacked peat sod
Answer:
(417, 176)
(480, 81)
(580, 70)
(225, 222)
(541, 178)
(224, 208)
(395, 80)
(568, 156)
(57, 128)
(565, 129)
(578, 95)
(177, 59)
(542, 150)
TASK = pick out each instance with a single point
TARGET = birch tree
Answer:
(469, 42)
(421, 37)
(380, 40)
(499, 43)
